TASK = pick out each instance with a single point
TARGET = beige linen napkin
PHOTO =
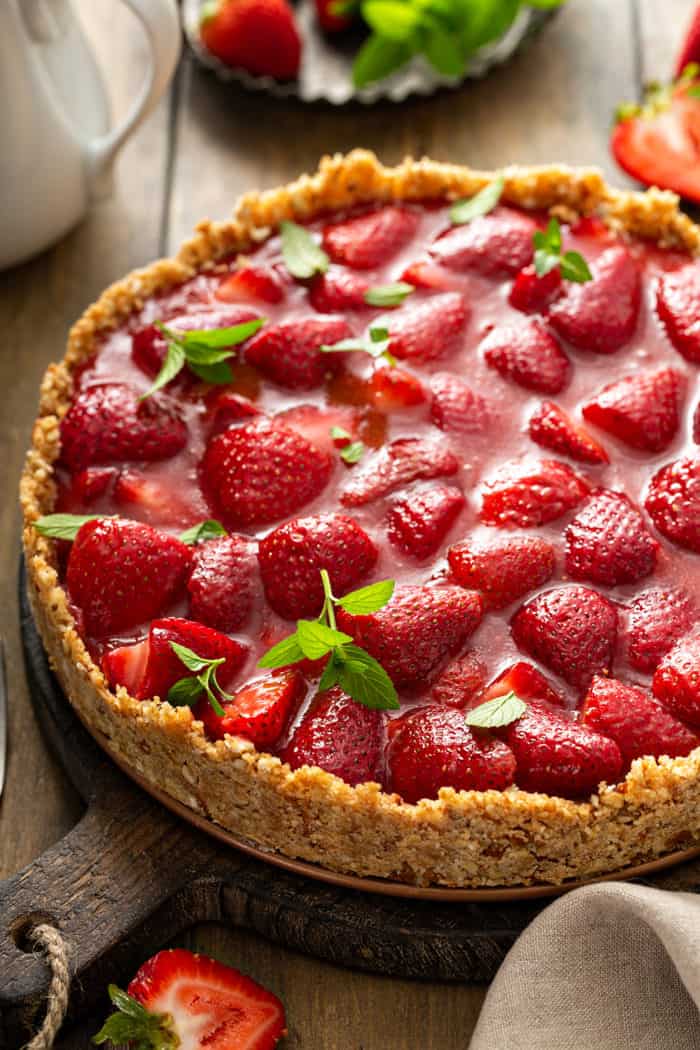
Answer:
(607, 967)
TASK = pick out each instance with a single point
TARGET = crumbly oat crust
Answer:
(465, 839)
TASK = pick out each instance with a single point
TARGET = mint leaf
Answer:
(575, 268)
(302, 256)
(549, 240)
(545, 263)
(376, 344)
(500, 711)
(205, 351)
(205, 530)
(365, 680)
(316, 639)
(442, 50)
(368, 599)
(288, 651)
(185, 692)
(63, 526)
(694, 91)
(388, 294)
(548, 255)
(172, 366)
(329, 678)
(481, 203)
(353, 452)
(377, 58)
(189, 658)
(135, 1025)
(394, 20)
(340, 434)
(220, 338)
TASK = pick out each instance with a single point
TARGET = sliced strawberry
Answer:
(372, 238)
(526, 682)
(677, 680)
(608, 541)
(315, 424)
(108, 423)
(291, 558)
(288, 353)
(433, 747)
(122, 573)
(126, 665)
(261, 472)
(526, 494)
(252, 282)
(403, 461)
(258, 35)
(416, 632)
(601, 315)
(85, 488)
(532, 294)
(553, 429)
(460, 682)
(643, 409)
(455, 407)
(637, 722)
(338, 290)
(418, 523)
(153, 500)
(678, 306)
(260, 711)
(164, 668)
(207, 1006)
(496, 245)
(340, 736)
(529, 355)
(392, 389)
(224, 582)
(428, 274)
(227, 408)
(673, 502)
(425, 329)
(656, 619)
(502, 572)
(570, 629)
(149, 346)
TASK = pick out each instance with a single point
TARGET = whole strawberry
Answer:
(608, 541)
(527, 354)
(673, 502)
(656, 619)
(258, 35)
(643, 410)
(224, 581)
(502, 572)
(601, 315)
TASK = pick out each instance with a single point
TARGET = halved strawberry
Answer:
(532, 294)
(570, 629)
(637, 722)
(226, 408)
(258, 35)
(643, 409)
(496, 245)
(259, 711)
(673, 502)
(433, 747)
(676, 680)
(107, 423)
(154, 500)
(428, 328)
(291, 558)
(428, 274)
(416, 632)
(528, 354)
(261, 472)
(403, 461)
(224, 582)
(288, 352)
(460, 682)
(455, 407)
(526, 682)
(418, 523)
(340, 736)
(601, 315)
(608, 541)
(85, 488)
(502, 572)
(125, 665)
(656, 619)
(678, 306)
(553, 429)
(164, 668)
(690, 51)
(525, 494)
(338, 290)
(149, 347)
(315, 424)
(122, 573)
(372, 238)
(392, 389)
(252, 282)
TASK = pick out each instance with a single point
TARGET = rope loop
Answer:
(47, 940)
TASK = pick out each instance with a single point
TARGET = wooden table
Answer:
(205, 145)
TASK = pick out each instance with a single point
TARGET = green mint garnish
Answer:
(376, 344)
(205, 352)
(548, 256)
(500, 711)
(480, 204)
(132, 1023)
(388, 294)
(303, 257)
(188, 690)
(353, 452)
(205, 530)
(354, 670)
(64, 526)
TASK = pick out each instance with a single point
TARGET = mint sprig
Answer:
(376, 344)
(351, 451)
(548, 256)
(388, 294)
(64, 526)
(496, 713)
(481, 203)
(356, 672)
(186, 691)
(204, 530)
(132, 1023)
(205, 352)
(303, 257)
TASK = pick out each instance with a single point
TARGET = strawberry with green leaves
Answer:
(259, 711)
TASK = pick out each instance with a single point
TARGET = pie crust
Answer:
(463, 839)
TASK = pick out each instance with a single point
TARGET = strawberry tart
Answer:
(368, 526)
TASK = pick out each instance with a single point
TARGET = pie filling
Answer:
(517, 452)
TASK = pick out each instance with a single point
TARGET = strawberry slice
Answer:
(259, 712)
(252, 282)
(338, 290)
(341, 736)
(427, 274)
(417, 631)
(258, 35)
(637, 722)
(224, 582)
(526, 494)
(288, 353)
(425, 329)
(455, 407)
(125, 665)
(504, 572)
(85, 488)
(553, 429)
(261, 472)
(570, 629)
(433, 747)
(393, 388)
(418, 523)
(601, 315)
(643, 410)
(122, 573)
(676, 680)
(673, 502)
(108, 423)
(403, 461)
(315, 424)
(495, 245)
(678, 307)
(205, 1005)
(154, 500)
(460, 682)
(532, 294)
(526, 682)
(372, 238)
(226, 408)
(527, 354)
(608, 542)
(149, 347)
(291, 558)
(656, 619)
(164, 668)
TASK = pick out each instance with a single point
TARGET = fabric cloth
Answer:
(607, 967)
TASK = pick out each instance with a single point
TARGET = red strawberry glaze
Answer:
(501, 436)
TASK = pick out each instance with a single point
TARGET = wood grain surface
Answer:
(207, 143)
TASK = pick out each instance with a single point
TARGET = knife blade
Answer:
(3, 715)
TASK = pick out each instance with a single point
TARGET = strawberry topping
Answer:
(288, 353)
(495, 245)
(523, 494)
(259, 712)
(224, 582)
(418, 523)
(673, 502)
(502, 572)
(366, 241)
(608, 542)
(553, 429)
(601, 315)
(527, 354)
(643, 410)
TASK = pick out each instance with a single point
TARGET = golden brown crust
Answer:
(466, 839)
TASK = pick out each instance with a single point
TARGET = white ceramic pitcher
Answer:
(56, 147)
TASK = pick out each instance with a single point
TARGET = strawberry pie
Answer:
(368, 526)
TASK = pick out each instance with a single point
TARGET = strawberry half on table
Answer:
(191, 1002)
(257, 35)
